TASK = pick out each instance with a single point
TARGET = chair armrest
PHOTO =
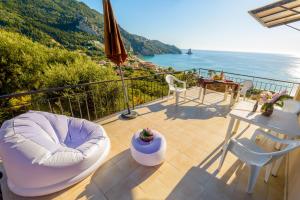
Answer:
(274, 138)
(248, 154)
(290, 144)
(180, 81)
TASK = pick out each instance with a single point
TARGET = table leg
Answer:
(229, 132)
(177, 98)
(236, 127)
(200, 91)
(232, 97)
(279, 161)
(225, 146)
(204, 93)
(238, 94)
(226, 92)
(276, 166)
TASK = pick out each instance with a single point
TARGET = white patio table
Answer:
(280, 122)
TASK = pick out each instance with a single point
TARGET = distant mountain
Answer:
(70, 24)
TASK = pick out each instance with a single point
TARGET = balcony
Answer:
(195, 133)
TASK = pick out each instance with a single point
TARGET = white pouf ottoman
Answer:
(44, 153)
(149, 153)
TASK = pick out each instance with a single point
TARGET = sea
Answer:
(276, 66)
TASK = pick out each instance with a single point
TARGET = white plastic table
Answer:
(280, 122)
(203, 83)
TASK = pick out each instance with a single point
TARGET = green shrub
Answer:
(27, 65)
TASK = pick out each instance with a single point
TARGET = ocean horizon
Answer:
(269, 65)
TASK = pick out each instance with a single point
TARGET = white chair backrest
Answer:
(170, 81)
(291, 106)
(247, 85)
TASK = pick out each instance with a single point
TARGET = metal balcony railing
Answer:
(260, 83)
(91, 101)
(96, 100)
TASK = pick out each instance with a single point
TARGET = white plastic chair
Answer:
(247, 151)
(173, 88)
(291, 106)
(247, 85)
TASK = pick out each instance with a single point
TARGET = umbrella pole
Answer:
(124, 90)
(130, 114)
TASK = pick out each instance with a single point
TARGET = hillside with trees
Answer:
(70, 24)
(49, 44)
(27, 65)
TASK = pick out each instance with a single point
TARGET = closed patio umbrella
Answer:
(115, 49)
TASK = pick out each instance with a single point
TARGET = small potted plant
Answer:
(269, 100)
(146, 135)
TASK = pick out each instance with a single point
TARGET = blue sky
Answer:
(202, 24)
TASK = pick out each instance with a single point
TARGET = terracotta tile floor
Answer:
(194, 134)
